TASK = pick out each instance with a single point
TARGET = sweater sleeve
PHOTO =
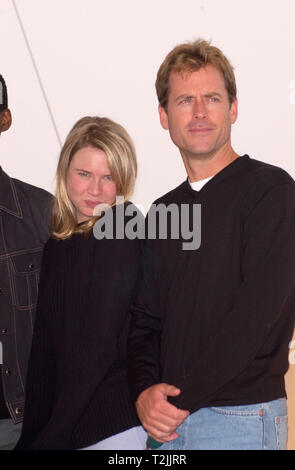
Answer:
(91, 343)
(143, 349)
(39, 393)
(268, 272)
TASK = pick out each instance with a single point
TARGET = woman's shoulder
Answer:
(55, 252)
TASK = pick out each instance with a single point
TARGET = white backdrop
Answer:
(90, 57)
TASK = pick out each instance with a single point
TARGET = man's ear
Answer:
(163, 117)
(5, 120)
(234, 111)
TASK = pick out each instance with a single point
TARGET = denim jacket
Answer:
(24, 228)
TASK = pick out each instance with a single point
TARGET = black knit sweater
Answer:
(76, 390)
(216, 321)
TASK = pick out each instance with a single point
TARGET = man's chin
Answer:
(200, 154)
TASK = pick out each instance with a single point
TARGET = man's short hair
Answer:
(3, 94)
(189, 57)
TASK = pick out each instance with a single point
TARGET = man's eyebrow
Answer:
(185, 95)
(213, 93)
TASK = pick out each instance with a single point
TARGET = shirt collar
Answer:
(197, 185)
(227, 171)
(9, 200)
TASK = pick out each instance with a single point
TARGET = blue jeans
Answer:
(260, 426)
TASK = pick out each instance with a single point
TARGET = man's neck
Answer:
(205, 166)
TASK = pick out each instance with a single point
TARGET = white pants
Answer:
(132, 439)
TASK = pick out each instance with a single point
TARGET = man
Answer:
(24, 211)
(210, 330)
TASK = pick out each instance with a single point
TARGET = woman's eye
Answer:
(108, 177)
(83, 173)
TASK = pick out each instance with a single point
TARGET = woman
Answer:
(76, 391)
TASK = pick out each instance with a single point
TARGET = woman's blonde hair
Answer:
(108, 136)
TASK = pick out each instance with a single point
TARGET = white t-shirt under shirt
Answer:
(197, 185)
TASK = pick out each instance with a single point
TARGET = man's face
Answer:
(5, 120)
(199, 116)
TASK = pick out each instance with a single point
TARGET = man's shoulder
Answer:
(30, 191)
(263, 181)
(172, 196)
(267, 174)
(30, 188)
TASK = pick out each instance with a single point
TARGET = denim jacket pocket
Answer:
(26, 270)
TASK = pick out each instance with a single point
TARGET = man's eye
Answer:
(213, 99)
(186, 100)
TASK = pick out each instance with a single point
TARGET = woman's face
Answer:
(89, 182)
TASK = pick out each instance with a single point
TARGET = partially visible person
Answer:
(77, 393)
(24, 228)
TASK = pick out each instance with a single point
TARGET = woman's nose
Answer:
(94, 187)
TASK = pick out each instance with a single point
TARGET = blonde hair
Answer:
(189, 57)
(108, 136)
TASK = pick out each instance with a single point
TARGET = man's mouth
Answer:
(200, 130)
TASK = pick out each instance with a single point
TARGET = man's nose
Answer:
(200, 110)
